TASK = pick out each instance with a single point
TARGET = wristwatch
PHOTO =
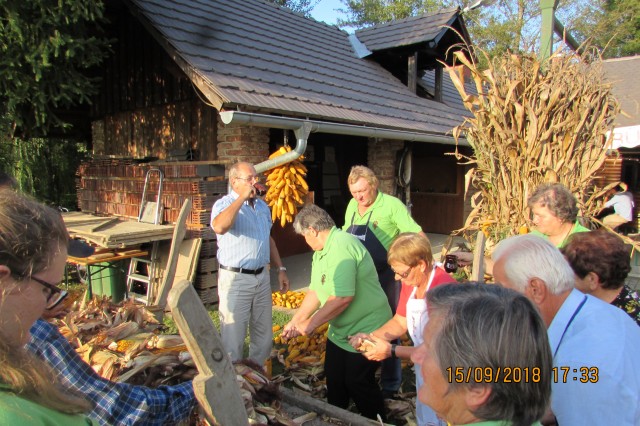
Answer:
(393, 351)
(282, 269)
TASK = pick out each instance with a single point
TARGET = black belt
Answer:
(242, 270)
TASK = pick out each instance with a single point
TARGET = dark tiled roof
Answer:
(623, 73)
(253, 55)
(405, 32)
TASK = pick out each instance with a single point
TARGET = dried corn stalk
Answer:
(533, 122)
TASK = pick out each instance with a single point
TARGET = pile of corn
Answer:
(290, 299)
(287, 188)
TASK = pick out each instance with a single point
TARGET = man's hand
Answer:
(245, 190)
(283, 279)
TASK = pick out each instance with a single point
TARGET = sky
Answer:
(325, 11)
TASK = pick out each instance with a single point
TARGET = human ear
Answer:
(537, 290)
(4, 272)
(476, 396)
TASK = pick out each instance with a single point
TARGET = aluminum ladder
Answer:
(150, 212)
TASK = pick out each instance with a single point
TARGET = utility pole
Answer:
(548, 10)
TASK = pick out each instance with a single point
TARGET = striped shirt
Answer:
(246, 243)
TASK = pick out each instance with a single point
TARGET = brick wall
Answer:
(382, 160)
(244, 143)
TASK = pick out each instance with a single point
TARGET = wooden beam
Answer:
(178, 235)
(412, 72)
(215, 386)
(438, 84)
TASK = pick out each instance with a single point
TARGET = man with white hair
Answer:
(595, 378)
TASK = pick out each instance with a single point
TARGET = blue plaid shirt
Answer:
(115, 403)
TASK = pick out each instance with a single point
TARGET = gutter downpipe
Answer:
(302, 129)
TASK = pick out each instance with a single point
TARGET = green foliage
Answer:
(514, 25)
(364, 13)
(44, 168)
(611, 25)
(301, 6)
(46, 49)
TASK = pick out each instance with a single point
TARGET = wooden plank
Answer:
(188, 260)
(215, 386)
(178, 235)
(477, 268)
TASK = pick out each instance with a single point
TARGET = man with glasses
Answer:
(242, 223)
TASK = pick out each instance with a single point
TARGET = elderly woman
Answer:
(601, 263)
(555, 211)
(412, 262)
(485, 357)
(33, 254)
(344, 292)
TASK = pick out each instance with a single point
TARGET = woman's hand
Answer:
(378, 350)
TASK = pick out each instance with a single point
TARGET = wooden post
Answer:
(178, 235)
(412, 72)
(215, 386)
(477, 268)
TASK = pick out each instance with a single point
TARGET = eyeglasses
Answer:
(56, 296)
(249, 178)
(404, 274)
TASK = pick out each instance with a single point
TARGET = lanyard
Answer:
(569, 323)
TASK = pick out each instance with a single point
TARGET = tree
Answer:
(514, 25)
(46, 50)
(611, 25)
(364, 13)
(301, 6)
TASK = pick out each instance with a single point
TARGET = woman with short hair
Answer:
(411, 260)
(601, 262)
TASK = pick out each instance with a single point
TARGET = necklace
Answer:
(565, 236)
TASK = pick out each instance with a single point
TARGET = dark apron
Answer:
(379, 255)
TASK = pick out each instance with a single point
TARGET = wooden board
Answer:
(178, 235)
(215, 386)
(119, 233)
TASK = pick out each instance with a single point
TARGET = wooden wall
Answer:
(147, 106)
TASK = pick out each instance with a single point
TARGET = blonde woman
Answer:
(33, 253)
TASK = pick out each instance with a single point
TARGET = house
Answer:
(625, 139)
(217, 81)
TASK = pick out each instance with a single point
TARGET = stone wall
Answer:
(382, 160)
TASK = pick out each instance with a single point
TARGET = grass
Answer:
(278, 317)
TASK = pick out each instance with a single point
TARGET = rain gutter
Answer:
(302, 129)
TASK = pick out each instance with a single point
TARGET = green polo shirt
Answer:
(15, 410)
(576, 228)
(344, 268)
(389, 217)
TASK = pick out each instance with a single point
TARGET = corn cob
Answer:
(287, 188)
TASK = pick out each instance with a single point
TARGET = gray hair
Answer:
(234, 170)
(312, 216)
(558, 199)
(489, 330)
(529, 256)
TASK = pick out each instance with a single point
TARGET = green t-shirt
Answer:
(389, 217)
(344, 268)
(15, 410)
(576, 228)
